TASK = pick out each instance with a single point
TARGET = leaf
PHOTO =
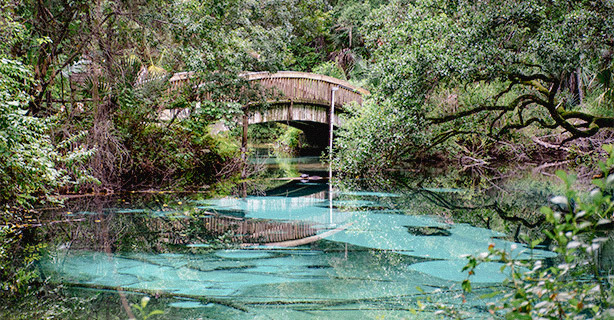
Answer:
(136, 306)
(153, 313)
(546, 210)
(519, 316)
(466, 285)
(598, 183)
(562, 175)
(490, 295)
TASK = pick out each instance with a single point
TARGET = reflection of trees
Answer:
(487, 210)
(511, 207)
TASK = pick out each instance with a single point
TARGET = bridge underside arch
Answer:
(316, 133)
(288, 111)
(312, 119)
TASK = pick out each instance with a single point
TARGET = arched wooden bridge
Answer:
(296, 96)
(299, 99)
(303, 97)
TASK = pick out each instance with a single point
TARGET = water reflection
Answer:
(286, 255)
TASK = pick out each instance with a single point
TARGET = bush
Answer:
(377, 137)
(27, 156)
(331, 69)
(265, 132)
(183, 155)
(291, 140)
(576, 286)
(17, 262)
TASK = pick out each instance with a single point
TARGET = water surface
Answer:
(294, 251)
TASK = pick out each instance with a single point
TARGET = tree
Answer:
(55, 33)
(491, 68)
(535, 54)
(540, 51)
(29, 159)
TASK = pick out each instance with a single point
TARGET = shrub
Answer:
(575, 286)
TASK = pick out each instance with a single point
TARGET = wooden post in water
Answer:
(330, 155)
(244, 147)
(331, 121)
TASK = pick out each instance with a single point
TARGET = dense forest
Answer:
(453, 83)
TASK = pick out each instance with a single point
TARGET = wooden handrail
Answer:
(255, 76)
(304, 75)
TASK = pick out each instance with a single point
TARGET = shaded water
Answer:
(292, 252)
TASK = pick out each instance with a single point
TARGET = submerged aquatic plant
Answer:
(142, 306)
(575, 286)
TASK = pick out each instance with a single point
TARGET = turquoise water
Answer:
(349, 255)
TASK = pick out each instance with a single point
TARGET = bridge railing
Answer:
(300, 87)
(308, 87)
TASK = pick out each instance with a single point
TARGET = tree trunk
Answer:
(580, 84)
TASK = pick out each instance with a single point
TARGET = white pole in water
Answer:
(330, 155)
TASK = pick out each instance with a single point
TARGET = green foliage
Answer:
(291, 140)
(503, 66)
(377, 137)
(350, 16)
(331, 69)
(33, 165)
(11, 31)
(141, 309)
(197, 159)
(575, 286)
(240, 36)
(266, 132)
(391, 127)
(30, 162)
(407, 43)
(17, 262)
(312, 32)
(306, 58)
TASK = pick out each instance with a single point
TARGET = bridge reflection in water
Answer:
(255, 232)
(276, 220)
(292, 214)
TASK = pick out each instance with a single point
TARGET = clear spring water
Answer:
(292, 254)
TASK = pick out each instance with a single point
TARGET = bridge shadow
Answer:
(300, 188)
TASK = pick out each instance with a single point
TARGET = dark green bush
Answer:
(180, 156)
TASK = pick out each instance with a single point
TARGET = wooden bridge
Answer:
(299, 99)
(302, 96)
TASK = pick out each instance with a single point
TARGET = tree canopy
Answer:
(494, 67)
(543, 56)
